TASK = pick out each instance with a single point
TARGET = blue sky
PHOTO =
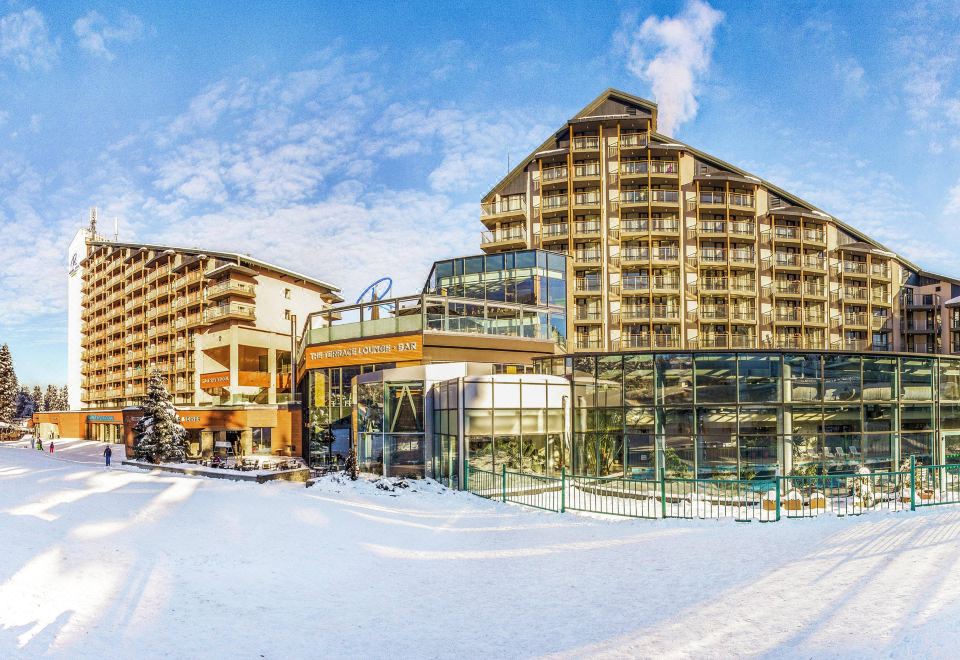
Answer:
(321, 136)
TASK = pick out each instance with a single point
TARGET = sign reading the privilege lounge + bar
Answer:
(369, 351)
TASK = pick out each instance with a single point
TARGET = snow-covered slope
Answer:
(121, 563)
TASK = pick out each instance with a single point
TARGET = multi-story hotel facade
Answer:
(676, 249)
(218, 326)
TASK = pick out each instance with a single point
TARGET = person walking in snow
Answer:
(106, 454)
(51, 446)
(39, 444)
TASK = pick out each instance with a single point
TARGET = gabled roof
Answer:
(609, 93)
(796, 203)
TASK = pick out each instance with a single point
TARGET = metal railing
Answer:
(649, 493)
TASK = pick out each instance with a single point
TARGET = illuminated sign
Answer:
(370, 351)
(214, 380)
(101, 418)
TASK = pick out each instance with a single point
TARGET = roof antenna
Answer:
(93, 223)
(116, 229)
(508, 162)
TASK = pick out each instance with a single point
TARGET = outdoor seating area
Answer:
(251, 463)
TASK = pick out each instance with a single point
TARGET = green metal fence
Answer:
(937, 484)
(805, 496)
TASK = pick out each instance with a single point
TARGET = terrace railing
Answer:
(652, 494)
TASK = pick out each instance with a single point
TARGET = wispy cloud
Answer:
(25, 40)
(95, 33)
(671, 54)
(852, 77)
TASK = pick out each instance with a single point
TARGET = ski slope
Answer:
(129, 564)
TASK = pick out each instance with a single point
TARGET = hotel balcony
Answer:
(231, 287)
(511, 238)
(856, 320)
(921, 301)
(587, 228)
(722, 199)
(743, 315)
(920, 327)
(587, 286)
(852, 294)
(588, 343)
(635, 284)
(632, 141)
(880, 271)
(629, 198)
(586, 143)
(713, 284)
(713, 313)
(586, 171)
(554, 176)
(550, 204)
(634, 227)
(854, 268)
(229, 311)
(665, 227)
(632, 313)
(661, 313)
(588, 315)
(633, 256)
(590, 199)
(662, 169)
(503, 209)
(587, 258)
(721, 340)
(722, 228)
(814, 237)
(666, 284)
(666, 254)
(554, 232)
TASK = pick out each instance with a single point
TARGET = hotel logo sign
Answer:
(371, 351)
(215, 380)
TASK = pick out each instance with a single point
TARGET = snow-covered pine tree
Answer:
(8, 386)
(159, 437)
(37, 396)
(24, 403)
(64, 398)
(50, 398)
(352, 468)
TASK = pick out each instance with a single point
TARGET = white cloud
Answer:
(25, 40)
(95, 33)
(852, 77)
(671, 54)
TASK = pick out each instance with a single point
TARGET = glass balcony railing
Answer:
(586, 143)
(513, 204)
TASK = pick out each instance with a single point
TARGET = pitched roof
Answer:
(611, 93)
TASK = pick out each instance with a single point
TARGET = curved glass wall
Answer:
(751, 415)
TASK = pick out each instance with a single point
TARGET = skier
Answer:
(39, 444)
(107, 453)
(51, 446)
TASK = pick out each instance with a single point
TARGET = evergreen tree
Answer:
(159, 437)
(37, 397)
(64, 398)
(8, 386)
(24, 403)
(352, 468)
(51, 398)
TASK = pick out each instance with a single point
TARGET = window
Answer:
(286, 293)
(286, 314)
(262, 440)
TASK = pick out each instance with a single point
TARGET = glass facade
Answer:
(751, 415)
(517, 422)
(503, 293)
(390, 428)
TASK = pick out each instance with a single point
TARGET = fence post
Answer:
(777, 489)
(913, 482)
(466, 474)
(563, 489)
(503, 482)
(663, 493)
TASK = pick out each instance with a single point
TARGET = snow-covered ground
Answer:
(125, 563)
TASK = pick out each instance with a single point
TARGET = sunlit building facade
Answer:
(673, 248)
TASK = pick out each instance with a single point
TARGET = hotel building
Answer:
(217, 325)
(676, 249)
